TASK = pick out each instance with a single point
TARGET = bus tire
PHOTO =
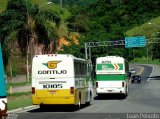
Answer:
(78, 106)
(126, 94)
(90, 99)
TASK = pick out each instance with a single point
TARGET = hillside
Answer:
(104, 20)
(3, 4)
(64, 13)
(20, 66)
(147, 29)
(82, 3)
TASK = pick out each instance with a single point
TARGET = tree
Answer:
(30, 26)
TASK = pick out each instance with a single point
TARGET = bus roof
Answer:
(110, 57)
(61, 56)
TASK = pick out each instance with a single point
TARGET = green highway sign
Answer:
(137, 41)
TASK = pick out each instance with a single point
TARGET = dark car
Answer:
(136, 78)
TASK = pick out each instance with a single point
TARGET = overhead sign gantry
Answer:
(88, 45)
(139, 41)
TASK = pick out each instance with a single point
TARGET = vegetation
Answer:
(94, 20)
(82, 3)
(17, 84)
(144, 60)
(32, 23)
(30, 26)
(23, 99)
(107, 20)
(3, 5)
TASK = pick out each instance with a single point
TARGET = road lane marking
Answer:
(150, 74)
(141, 70)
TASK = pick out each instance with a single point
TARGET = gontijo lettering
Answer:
(52, 65)
(52, 72)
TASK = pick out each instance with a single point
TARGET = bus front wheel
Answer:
(78, 106)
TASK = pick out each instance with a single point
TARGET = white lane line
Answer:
(151, 73)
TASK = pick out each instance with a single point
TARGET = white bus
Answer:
(61, 79)
(112, 75)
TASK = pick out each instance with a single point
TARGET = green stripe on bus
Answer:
(109, 66)
(112, 77)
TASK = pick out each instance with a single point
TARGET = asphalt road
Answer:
(142, 102)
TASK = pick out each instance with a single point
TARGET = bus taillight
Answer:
(122, 84)
(33, 90)
(72, 90)
(96, 84)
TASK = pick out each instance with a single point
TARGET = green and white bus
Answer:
(112, 75)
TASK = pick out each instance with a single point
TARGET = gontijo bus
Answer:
(3, 97)
(112, 75)
(60, 79)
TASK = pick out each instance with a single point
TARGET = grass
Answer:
(145, 61)
(3, 5)
(64, 13)
(19, 100)
(17, 84)
(146, 29)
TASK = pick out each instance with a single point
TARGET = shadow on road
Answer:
(110, 97)
(154, 77)
(57, 108)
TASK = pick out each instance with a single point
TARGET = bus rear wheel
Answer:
(90, 100)
(78, 106)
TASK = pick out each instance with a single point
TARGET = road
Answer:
(143, 98)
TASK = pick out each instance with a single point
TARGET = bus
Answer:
(3, 97)
(112, 75)
(61, 79)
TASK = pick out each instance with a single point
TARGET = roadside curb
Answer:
(23, 109)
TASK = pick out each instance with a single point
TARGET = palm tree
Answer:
(34, 29)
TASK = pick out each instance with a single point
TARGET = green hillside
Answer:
(147, 29)
(62, 12)
(17, 67)
(3, 4)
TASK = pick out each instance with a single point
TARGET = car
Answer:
(136, 78)
(133, 71)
